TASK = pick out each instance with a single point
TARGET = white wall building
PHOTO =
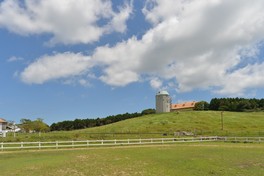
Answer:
(163, 102)
(3, 125)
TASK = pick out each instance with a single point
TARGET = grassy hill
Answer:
(198, 122)
(164, 125)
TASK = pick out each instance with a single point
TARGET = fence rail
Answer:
(241, 139)
(115, 142)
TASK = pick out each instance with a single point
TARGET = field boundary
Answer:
(121, 142)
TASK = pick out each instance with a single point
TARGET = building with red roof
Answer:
(183, 106)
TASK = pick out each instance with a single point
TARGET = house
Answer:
(3, 125)
(183, 106)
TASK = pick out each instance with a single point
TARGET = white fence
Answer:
(242, 139)
(97, 143)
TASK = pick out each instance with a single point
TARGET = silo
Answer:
(163, 102)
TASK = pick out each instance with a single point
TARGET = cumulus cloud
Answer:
(68, 21)
(62, 65)
(203, 44)
(248, 77)
(157, 11)
(194, 43)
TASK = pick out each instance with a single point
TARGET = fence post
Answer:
(39, 145)
(87, 144)
(2, 146)
(57, 145)
(128, 141)
(140, 140)
(115, 141)
(151, 140)
(22, 145)
(102, 142)
(162, 140)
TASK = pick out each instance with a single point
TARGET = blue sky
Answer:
(67, 59)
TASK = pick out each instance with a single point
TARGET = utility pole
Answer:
(222, 119)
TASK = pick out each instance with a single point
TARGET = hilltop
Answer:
(206, 123)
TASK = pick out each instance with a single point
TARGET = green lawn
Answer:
(176, 159)
(163, 125)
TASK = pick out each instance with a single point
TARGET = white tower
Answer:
(163, 102)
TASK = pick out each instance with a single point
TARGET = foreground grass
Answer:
(163, 125)
(181, 159)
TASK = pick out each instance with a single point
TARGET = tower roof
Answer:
(163, 92)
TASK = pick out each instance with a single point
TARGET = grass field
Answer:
(176, 159)
(162, 125)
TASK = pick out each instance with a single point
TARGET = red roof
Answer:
(186, 105)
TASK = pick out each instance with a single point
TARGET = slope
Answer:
(206, 123)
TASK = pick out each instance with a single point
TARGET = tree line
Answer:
(88, 123)
(231, 104)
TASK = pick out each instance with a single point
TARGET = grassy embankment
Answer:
(163, 125)
(224, 159)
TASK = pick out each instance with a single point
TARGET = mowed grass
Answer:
(177, 159)
(202, 123)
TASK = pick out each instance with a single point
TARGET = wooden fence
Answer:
(123, 142)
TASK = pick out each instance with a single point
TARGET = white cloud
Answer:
(117, 78)
(119, 64)
(193, 43)
(84, 83)
(15, 59)
(201, 44)
(62, 65)
(157, 11)
(118, 22)
(69, 21)
(242, 79)
(156, 83)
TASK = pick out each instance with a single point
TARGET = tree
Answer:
(214, 104)
(34, 126)
(148, 111)
(26, 125)
(201, 106)
(40, 126)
